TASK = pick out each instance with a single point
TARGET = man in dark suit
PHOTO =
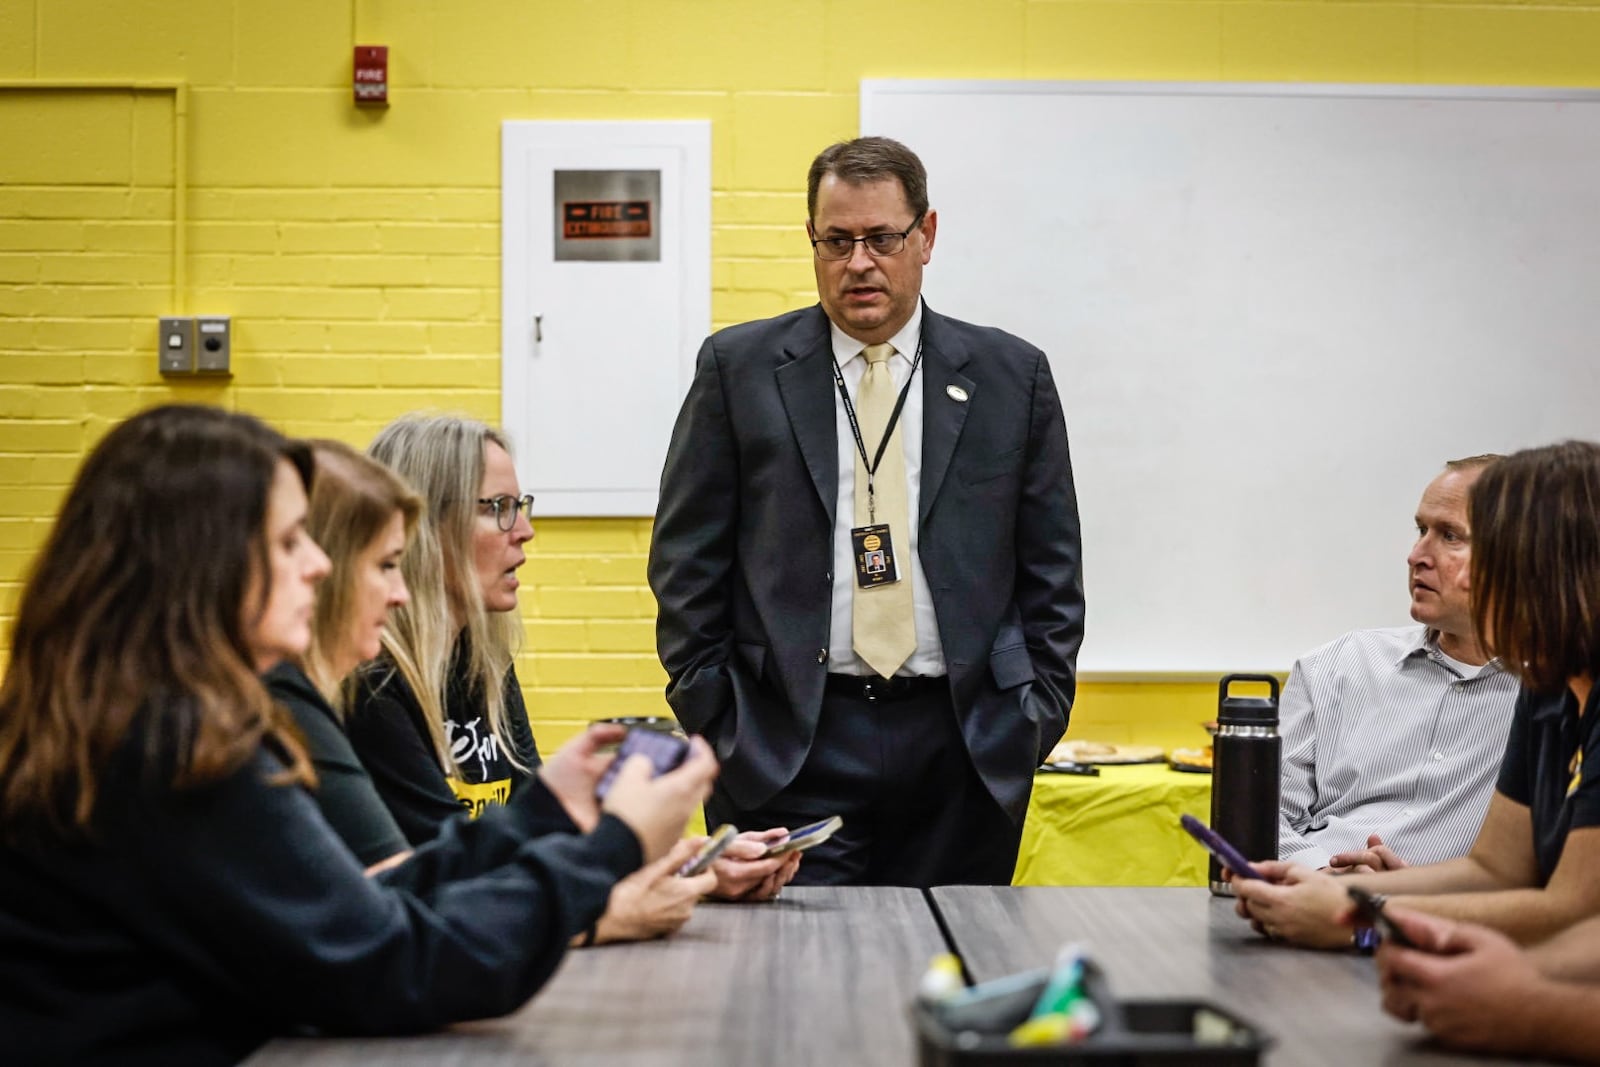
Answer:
(866, 555)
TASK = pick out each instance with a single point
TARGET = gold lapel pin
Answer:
(956, 393)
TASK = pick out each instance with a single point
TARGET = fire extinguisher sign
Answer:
(583, 220)
(607, 215)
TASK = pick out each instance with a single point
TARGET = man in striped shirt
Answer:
(1392, 738)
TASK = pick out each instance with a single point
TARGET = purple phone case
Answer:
(664, 751)
(1369, 911)
(1219, 847)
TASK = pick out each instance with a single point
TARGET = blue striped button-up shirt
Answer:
(1382, 734)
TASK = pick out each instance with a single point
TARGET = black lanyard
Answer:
(888, 429)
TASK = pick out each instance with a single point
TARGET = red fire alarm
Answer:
(372, 74)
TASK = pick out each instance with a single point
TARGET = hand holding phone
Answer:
(1219, 847)
(805, 837)
(715, 845)
(665, 751)
(1369, 912)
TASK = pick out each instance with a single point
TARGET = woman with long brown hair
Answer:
(1536, 598)
(168, 891)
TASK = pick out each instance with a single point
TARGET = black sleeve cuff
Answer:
(615, 847)
(535, 811)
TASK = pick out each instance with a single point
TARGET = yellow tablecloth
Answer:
(1118, 829)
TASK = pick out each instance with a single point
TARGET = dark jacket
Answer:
(741, 558)
(196, 924)
(344, 792)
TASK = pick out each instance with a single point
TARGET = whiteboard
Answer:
(1272, 312)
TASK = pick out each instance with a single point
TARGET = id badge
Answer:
(875, 559)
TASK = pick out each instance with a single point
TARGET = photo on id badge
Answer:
(874, 552)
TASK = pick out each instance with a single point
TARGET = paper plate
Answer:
(1196, 760)
(1100, 752)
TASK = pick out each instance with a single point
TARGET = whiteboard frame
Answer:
(875, 88)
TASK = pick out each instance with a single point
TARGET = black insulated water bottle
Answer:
(1244, 774)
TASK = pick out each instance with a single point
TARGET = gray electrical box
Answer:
(176, 346)
(213, 343)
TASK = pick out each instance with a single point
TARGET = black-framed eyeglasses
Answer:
(505, 508)
(878, 245)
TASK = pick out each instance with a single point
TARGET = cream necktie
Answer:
(885, 632)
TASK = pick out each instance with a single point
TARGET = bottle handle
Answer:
(1229, 679)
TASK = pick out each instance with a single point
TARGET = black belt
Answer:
(871, 687)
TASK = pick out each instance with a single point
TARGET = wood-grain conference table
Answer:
(1320, 1007)
(824, 977)
(820, 977)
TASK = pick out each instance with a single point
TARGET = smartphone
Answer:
(806, 837)
(665, 752)
(1219, 847)
(1369, 912)
(715, 846)
(1066, 766)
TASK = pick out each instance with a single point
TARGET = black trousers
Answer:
(915, 811)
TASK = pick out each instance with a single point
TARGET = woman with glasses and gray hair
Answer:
(364, 517)
(438, 719)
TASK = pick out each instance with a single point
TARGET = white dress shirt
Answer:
(928, 658)
(1384, 734)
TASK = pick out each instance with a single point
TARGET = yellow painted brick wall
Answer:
(358, 250)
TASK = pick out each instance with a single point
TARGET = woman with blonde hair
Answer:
(169, 892)
(439, 718)
(363, 516)
(439, 721)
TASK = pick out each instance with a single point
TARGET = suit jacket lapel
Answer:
(943, 356)
(806, 385)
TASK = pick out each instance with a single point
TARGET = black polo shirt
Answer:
(1540, 770)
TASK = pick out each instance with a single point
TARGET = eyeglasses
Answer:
(878, 245)
(506, 507)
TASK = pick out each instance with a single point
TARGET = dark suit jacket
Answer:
(742, 555)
